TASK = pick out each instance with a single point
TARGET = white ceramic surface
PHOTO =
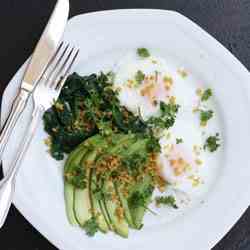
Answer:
(104, 37)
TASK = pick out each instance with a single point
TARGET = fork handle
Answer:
(15, 112)
(7, 185)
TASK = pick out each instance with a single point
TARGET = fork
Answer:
(47, 90)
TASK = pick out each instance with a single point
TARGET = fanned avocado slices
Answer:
(93, 191)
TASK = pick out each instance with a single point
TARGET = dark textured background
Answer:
(21, 23)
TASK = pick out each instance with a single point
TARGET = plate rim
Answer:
(239, 208)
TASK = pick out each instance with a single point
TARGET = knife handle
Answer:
(15, 112)
(7, 185)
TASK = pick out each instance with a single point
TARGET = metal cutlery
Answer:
(47, 90)
(40, 59)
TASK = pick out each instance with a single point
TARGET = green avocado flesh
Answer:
(99, 196)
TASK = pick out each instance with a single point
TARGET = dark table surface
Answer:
(21, 23)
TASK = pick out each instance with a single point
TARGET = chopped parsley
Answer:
(99, 194)
(105, 128)
(179, 140)
(111, 76)
(143, 52)
(141, 199)
(206, 95)
(91, 226)
(139, 77)
(212, 143)
(136, 200)
(134, 163)
(166, 200)
(182, 73)
(167, 116)
(153, 145)
(205, 116)
(77, 177)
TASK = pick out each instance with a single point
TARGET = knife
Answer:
(40, 59)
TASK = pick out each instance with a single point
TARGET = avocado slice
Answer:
(134, 216)
(98, 145)
(69, 190)
(124, 203)
(138, 146)
(69, 203)
(120, 225)
(139, 212)
(96, 208)
(76, 156)
(82, 201)
(81, 205)
(120, 144)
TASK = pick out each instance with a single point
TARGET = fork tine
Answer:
(60, 83)
(54, 56)
(51, 73)
(72, 62)
(59, 72)
(45, 72)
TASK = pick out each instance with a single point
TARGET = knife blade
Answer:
(40, 59)
(47, 45)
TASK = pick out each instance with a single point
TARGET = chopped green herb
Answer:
(179, 140)
(99, 193)
(166, 200)
(77, 177)
(206, 95)
(91, 226)
(140, 199)
(134, 163)
(167, 116)
(137, 200)
(105, 128)
(59, 106)
(153, 145)
(143, 52)
(111, 76)
(55, 151)
(205, 116)
(212, 143)
(139, 77)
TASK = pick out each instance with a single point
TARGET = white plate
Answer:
(103, 37)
